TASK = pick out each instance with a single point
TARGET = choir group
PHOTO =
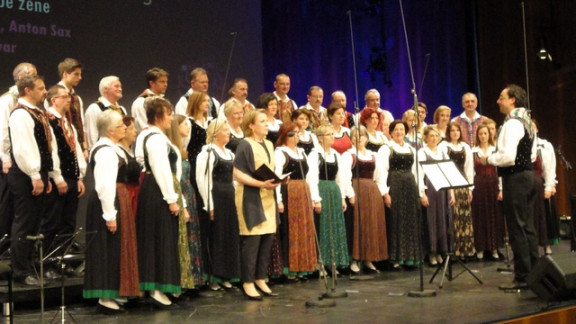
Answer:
(178, 203)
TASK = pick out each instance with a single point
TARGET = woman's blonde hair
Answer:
(439, 110)
(323, 129)
(249, 119)
(214, 128)
(427, 130)
(173, 133)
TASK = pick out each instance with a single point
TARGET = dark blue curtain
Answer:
(310, 41)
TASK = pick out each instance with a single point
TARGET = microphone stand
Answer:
(356, 167)
(422, 292)
(234, 35)
(525, 57)
(332, 293)
(209, 149)
(68, 243)
(320, 302)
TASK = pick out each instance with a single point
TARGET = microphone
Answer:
(35, 237)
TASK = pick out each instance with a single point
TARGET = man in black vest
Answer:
(7, 103)
(62, 203)
(34, 153)
(516, 151)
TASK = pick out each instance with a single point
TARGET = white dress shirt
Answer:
(25, 149)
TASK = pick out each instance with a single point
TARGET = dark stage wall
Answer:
(126, 38)
(552, 84)
(310, 41)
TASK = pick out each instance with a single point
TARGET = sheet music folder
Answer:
(264, 173)
(444, 174)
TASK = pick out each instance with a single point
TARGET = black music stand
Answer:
(444, 175)
(66, 245)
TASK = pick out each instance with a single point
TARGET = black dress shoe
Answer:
(256, 298)
(370, 271)
(109, 311)
(515, 285)
(159, 304)
(267, 294)
(29, 280)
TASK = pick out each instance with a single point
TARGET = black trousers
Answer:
(28, 210)
(519, 197)
(59, 217)
(6, 208)
(255, 251)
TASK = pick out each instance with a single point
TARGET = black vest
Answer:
(46, 163)
(523, 161)
(68, 161)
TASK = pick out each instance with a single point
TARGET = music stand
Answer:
(445, 175)
(66, 245)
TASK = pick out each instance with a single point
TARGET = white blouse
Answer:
(313, 176)
(157, 147)
(281, 160)
(366, 156)
(468, 162)
(546, 152)
(384, 153)
(203, 177)
(105, 174)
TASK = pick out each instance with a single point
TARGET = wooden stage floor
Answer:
(381, 300)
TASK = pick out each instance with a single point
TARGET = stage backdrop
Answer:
(126, 38)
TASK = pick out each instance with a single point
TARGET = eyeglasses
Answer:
(66, 96)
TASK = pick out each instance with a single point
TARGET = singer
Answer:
(102, 279)
(34, 149)
(255, 204)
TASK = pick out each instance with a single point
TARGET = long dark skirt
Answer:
(225, 245)
(157, 230)
(297, 229)
(370, 242)
(463, 227)
(129, 277)
(403, 232)
(102, 276)
(438, 218)
(333, 243)
(487, 217)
